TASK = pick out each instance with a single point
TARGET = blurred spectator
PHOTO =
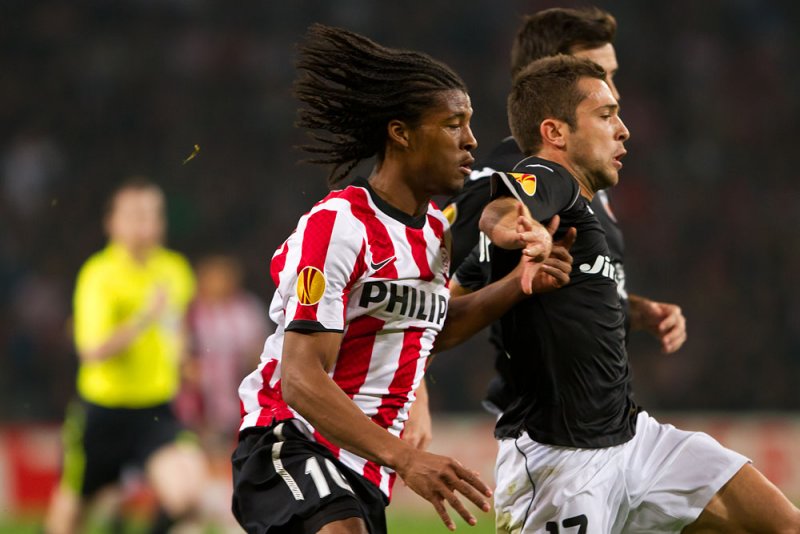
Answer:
(227, 328)
(31, 165)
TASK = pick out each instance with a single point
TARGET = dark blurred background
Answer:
(92, 92)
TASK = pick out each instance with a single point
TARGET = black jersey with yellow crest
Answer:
(464, 211)
(566, 348)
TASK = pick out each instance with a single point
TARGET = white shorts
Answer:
(659, 481)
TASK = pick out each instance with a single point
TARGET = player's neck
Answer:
(396, 191)
(558, 156)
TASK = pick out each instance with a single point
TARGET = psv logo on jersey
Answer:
(310, 286)
(527, 181)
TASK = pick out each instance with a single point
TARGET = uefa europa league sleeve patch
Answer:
(527, 181)
(450, 212)
(310, 286)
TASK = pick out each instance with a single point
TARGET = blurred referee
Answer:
(129, 307)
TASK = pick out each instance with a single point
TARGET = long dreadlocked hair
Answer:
(352, 87)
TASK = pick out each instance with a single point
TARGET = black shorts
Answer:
(284, 482)
(99, 442)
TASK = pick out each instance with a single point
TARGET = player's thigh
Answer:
(672, 474)
(542, 488)
(747, 503)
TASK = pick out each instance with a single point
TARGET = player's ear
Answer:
(552, 132)
(398, 132)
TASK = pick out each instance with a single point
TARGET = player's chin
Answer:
(452, 185)
(610, 178)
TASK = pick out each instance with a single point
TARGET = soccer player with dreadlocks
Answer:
(362, 299)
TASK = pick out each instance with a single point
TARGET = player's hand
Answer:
(536, 242)
(418, 431)
(663, 320)
(555, 270)
(436, 479)
(508, 223)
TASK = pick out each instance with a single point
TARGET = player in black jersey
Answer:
(575, 449)
(586, 32)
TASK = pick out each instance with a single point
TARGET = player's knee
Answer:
(181, 497)
(178, 476)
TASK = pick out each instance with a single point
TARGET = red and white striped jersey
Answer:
(359, 266)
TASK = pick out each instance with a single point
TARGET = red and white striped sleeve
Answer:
(317, 266)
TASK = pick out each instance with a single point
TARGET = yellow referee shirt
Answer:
(112, 289)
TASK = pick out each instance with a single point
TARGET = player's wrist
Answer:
(399, 457)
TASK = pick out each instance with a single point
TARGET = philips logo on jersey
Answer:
(405, 300)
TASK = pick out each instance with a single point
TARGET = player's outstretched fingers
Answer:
(473, 480)
(568, 239)
(559, 273)
(459, 507)
(552, 226)
(473, 495)
(438, 505)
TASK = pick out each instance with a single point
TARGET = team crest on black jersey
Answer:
(527, 181)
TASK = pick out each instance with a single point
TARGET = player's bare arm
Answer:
(662, 320)
(307, 387)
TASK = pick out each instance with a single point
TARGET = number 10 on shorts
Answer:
(312, 468)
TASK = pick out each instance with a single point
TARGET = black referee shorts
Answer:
(100, 442)
(286, 483)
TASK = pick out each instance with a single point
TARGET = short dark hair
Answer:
(560, 31)
(547, 89)
(352, 87)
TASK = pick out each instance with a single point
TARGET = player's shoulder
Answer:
(436, 215)
(336, 210)
(542, 167)
(339, 199)
(544, 173)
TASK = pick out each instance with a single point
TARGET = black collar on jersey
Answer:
(396, 214)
